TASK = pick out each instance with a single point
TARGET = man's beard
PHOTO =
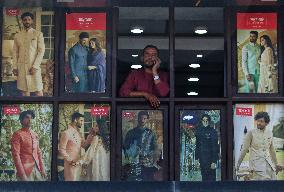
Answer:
(148, 66)
(27, 25)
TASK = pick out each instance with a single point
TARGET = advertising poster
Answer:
(84, 142)
(27, 52)
(200, 145)
(259, 141)
(257, 61)
(85, 53)
(142, 145)
(25, 142)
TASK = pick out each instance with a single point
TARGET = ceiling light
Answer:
(136, 30)
(136, 66)
(193, 79)
(199, 55)
(134, 55)
(192, 93)
(200, 30)
(194, 65)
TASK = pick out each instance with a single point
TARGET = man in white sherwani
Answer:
(27, 57)
(263, 163)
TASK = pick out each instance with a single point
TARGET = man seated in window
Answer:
(148, 82)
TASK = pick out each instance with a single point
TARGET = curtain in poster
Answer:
(257, 61)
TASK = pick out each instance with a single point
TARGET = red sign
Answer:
(100, 111)
(128, 114)
(244, 111)
(11, 110)
(86, 21)
(251, 21)
(12, 12)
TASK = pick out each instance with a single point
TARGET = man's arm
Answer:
(62, 146)
(245, 60)
(41, 166)
(71, 58)
(162, 86)
(273, 154)
(40, 51)
(245, 148)
(16, 148)
(15, 56)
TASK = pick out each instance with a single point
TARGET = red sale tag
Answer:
(100, 111)
(242, 111)
(86, 21)
(12, 12)
(11, 110)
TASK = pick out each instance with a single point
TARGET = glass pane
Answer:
(155, 25)
(47, 42)
(45, 20)
(199, 57)
(46, 54)
(45, 31)
(200, 3)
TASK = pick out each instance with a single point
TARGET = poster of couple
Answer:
(85, 53)
(257, 61)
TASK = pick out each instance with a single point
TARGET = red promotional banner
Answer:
(244, 111)
(128, 114)
(11, 110)
(100, 111)
(86, 21)
(266, 21)
(12, 11)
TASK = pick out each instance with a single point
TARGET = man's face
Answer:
(260, 123)
(143, 120)
(84, 41)
(205, 121)
(252, 38)
(79, 122)
(149, 55)
(27, 121)
(27, 22)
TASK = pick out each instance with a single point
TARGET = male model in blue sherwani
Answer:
(77, 56)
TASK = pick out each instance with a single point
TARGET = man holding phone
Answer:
(148, 82)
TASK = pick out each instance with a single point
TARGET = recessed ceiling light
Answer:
(194, 65)
(136, 66)
(193, 79)
(192, 93)
(199, 55)
(200, 30)
(136, 30)
(134, 55)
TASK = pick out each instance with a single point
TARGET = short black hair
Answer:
(142, 113)
(150, 46)
(254, 32)
(264, 115)
(25, 113)
(206, 115)
(83, 35)
(76, 115)
(27, 14)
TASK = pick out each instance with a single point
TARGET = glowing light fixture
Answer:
(192, 93)
(199, 55)
(200, 30)
(136, 66)
(194, 65)
(134, 55)
(136, 30)
(193, 79)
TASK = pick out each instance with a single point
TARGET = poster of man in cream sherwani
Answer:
(28, 52)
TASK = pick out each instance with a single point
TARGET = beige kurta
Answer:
(28, 52)
(262, 155)
(268, 74)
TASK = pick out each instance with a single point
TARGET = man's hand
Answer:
(76, 79)
(153, 100)
(213, 166)
(91, 67)
(43, 175)
(32, 70)
(249, 77)
(157, 62)
(15, 72)
(279, 168)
